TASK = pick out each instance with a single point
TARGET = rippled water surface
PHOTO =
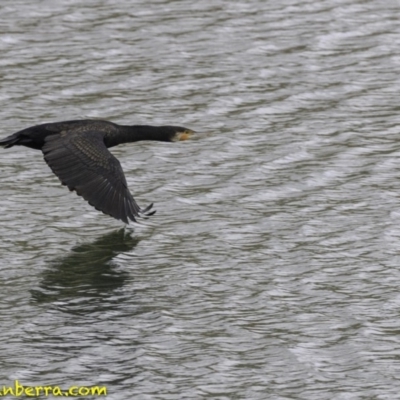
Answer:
(271, 269)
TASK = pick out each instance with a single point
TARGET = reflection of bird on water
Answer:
(77, 152)
(88, 271)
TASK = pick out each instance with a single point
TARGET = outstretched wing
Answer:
(83, 163)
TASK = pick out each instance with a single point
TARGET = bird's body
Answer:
(77, 152)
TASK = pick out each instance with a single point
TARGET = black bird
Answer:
(77, 152)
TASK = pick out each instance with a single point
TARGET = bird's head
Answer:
(179, 133)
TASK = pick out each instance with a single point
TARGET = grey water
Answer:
(271, 269)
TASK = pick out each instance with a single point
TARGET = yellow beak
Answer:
(185, 135)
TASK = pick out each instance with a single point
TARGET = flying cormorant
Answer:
(77, 152)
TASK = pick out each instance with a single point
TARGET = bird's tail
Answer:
(9, 141)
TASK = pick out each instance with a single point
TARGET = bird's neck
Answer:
(135, 133)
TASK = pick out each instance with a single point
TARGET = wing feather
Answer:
(83, 163)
